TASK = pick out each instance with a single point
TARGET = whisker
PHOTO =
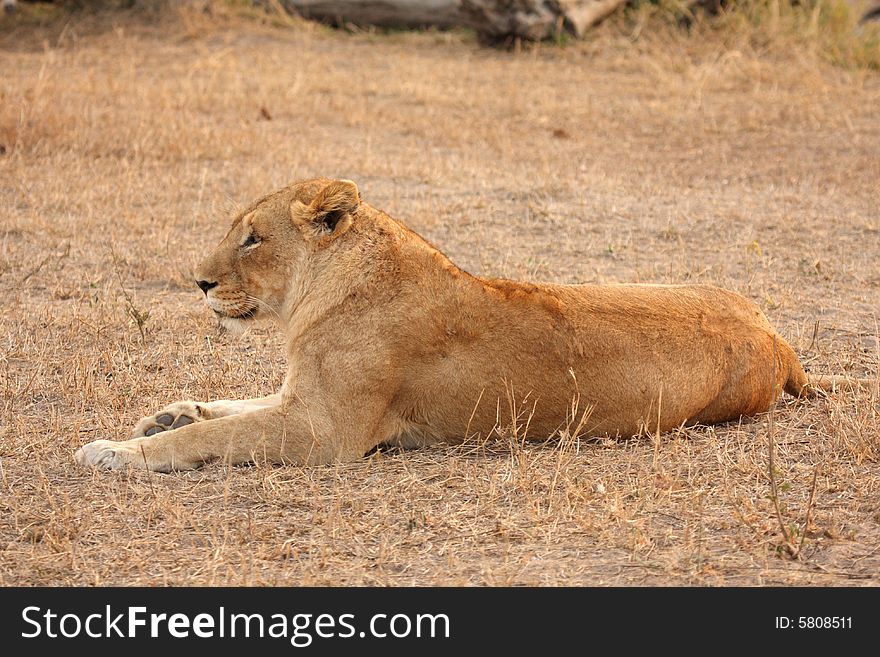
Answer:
(263, 304)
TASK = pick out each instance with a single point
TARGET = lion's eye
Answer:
(252, 240)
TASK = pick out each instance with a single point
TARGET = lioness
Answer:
(389, 342)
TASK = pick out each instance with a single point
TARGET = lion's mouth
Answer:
(250, 313)
(244, 315)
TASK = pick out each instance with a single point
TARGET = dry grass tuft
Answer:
(828, 30)
(127, 146)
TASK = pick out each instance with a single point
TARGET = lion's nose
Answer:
(205, 285)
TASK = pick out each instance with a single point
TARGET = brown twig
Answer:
(149, 472)
(771, 439)
(45, 260)
(139, 316)
(36, 269)
(656, 437)
(809, 512)
(815, 336)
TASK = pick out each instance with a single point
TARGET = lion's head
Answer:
(269, 248)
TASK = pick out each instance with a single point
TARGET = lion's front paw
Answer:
(105, 454)
(174, 416)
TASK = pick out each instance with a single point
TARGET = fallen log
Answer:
(496, 19)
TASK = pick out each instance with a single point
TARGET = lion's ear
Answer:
(330, 211)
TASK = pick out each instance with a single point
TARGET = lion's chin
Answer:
(234, 325)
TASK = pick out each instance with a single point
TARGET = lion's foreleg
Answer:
(182, 413)
(288, 434)
(225, 407)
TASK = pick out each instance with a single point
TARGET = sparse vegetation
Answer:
(661, 158)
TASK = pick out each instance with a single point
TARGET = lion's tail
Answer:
(799, 384)
(819, 384)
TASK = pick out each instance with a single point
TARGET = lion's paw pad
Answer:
(176, 416)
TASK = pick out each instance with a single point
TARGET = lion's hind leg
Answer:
(173, 416)
(179, 414)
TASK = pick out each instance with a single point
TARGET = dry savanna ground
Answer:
(126, 147)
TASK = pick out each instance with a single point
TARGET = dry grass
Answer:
(127, 147)
(828, 30)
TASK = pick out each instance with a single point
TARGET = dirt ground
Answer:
(126, 149)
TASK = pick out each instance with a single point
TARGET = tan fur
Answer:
(389, 342)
